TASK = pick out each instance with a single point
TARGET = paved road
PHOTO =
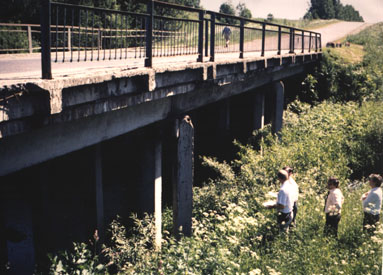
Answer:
(18, 68)
(339, 30)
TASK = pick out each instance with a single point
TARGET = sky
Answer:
(371, 10)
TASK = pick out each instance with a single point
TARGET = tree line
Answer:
(28, 11)
(332, 9)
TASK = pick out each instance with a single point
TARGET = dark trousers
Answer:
(331, 227)
(284, 221)
(369, 222)
(295, 211)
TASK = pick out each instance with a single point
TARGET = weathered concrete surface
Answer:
(183, 181)
(66, 114)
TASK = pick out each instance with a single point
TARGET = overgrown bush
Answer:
(233, 233)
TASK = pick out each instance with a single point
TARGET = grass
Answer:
(353, 54)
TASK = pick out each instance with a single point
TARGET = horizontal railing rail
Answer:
(80, 33)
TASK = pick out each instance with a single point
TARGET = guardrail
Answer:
(80, 33)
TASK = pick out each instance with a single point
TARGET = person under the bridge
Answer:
(295, 190)
(372, 203)
(226, 33)
(285, 202)
(333, 206)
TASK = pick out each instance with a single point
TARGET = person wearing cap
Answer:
(333, 206)
(372, 203)
(284, 203)
(295, 194)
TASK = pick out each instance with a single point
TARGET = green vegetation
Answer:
(338, 80)
(329, 9)
(337, 132)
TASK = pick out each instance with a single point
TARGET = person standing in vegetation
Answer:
(333, 206)
(284, 203)
(295, 190)
(372, 203)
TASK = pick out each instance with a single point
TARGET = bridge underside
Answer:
(75, 153)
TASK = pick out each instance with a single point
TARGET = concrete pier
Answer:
(183, 181)
(278, 90)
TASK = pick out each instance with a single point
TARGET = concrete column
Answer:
(158, 192)
(99, 192)
(278, 89)
(183, 181)
(259, 110)
(19, 233)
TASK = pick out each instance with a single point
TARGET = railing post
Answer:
(320, 42)
(291, 40)
(303, 41)
(212, 36)
(316, 42)
(149, 34)
(30, 39)
(206, 37)
(200, 36)
(45, 22)
(241, 38)
(263, 39)
(279, 40)
(310, 43)
(70, 40)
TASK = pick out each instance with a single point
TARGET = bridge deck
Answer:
(26, 68)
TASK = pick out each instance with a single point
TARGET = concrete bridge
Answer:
(77, 151)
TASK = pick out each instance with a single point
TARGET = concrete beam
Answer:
(99, 192)
(158, 193)
(278, 88)
(125, 113)
(259, 110)
(183, 181)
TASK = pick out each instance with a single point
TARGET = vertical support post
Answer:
(241, 38)
(158, 193)
(149, 34)
(291, 40)
(200, 36)
(99, 192)
(206, 37)
(279, 40)
(263, 39)
(320, 42)
(45, 22)
(278, 90)
(303, 41)
(30, 48)
(316, 42)
(212, 36)
(183, 181)
(70, 39)
(310, 43)
(259, 111)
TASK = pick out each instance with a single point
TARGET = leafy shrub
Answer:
(233, 233)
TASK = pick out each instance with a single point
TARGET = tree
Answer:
(329, 9)
(227, 8)
(243, 11)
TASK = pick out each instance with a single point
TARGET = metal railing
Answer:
(79, 33)
(28, 39)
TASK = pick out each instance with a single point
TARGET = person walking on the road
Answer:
(226, 33)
